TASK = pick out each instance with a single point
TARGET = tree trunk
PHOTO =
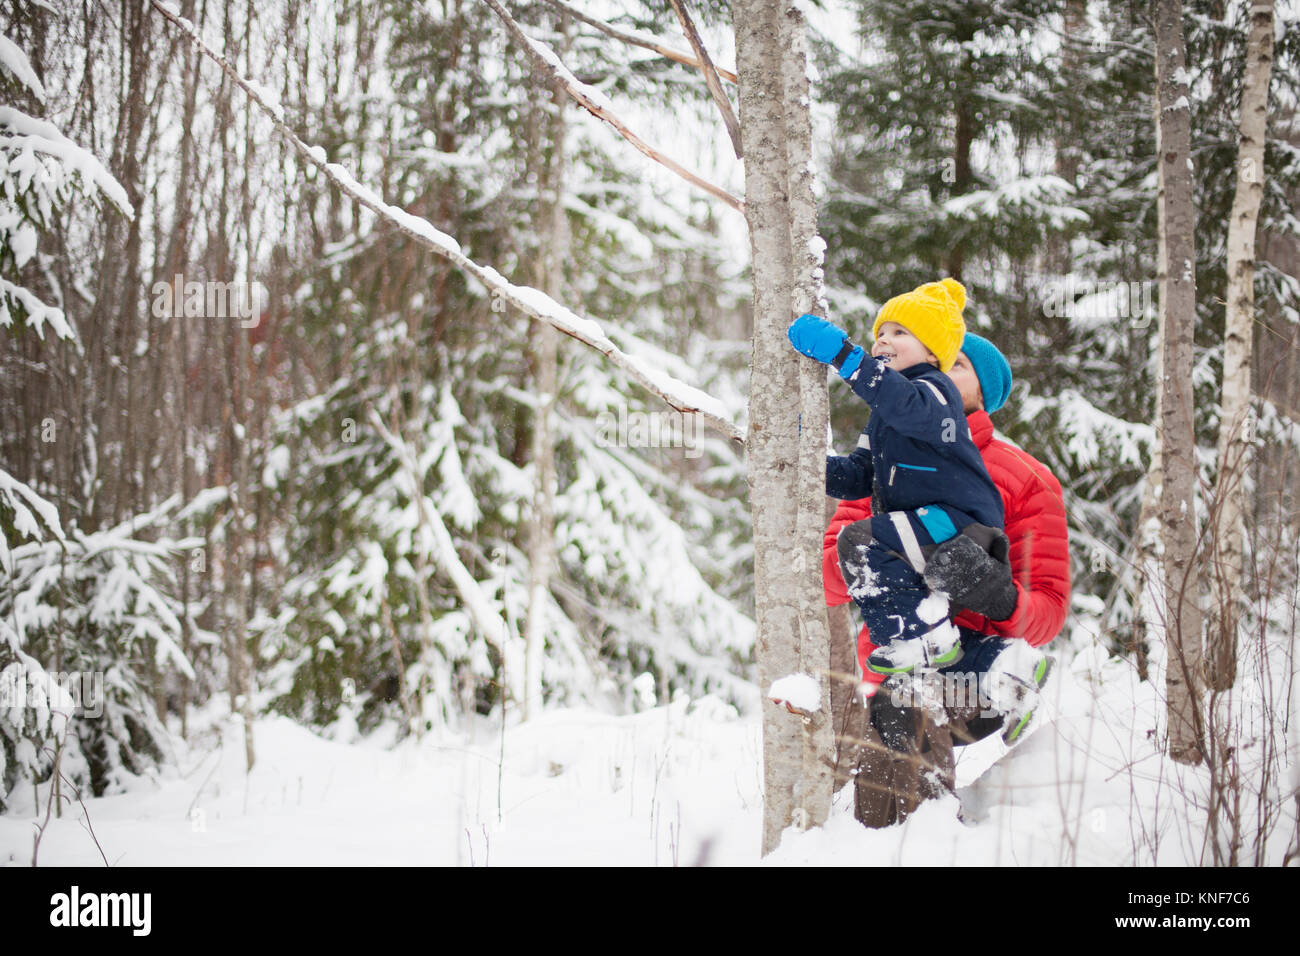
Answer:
(1150, 578)
(964, 137)
(1068, 140)
(541, 546)
(1227, 572)
(1178, 495)
(786, 461)
(844, 700)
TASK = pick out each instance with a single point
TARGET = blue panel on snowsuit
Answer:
(937, 523)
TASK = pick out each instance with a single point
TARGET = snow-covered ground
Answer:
(678, 784)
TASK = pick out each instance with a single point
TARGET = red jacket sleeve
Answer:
(833, 580)
(1040, 548)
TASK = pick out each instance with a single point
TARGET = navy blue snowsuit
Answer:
(927, 481)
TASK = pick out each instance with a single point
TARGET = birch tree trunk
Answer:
(1150, 580)
(786, 461)
(1227, 571)
(1178, 293)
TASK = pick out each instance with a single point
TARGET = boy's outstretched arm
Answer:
(918, 409)
(847, 476)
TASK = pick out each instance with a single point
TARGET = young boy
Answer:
(917, 461)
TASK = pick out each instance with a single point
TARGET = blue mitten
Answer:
(826, 343)
(816, 338)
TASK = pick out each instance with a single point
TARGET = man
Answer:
(1014, 598)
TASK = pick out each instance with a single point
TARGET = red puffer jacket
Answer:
(1035, 525)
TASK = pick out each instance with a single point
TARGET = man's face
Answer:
(963, 376)
(899, 348)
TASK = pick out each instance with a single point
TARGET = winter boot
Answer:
(932, 650)
(1019, 693)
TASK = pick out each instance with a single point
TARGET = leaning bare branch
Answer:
(678, 395)
(710, 75)
(637, 39)
(489, 623)
(594, 102)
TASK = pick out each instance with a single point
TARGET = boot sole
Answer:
(1041, 674)
(952, 657)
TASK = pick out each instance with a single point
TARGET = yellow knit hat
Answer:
(932, 313)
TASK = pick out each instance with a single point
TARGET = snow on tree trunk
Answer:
(1234, 423)
(786, 461)
(1178, 292)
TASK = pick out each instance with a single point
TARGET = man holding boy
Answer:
(1015, 602)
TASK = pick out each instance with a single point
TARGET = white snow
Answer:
(597, 98)
(417, 225)
(270, 99)
(28, 133)
(13, 59)
(38, 313)
(679, 783)
(933, 608)
(801, 690)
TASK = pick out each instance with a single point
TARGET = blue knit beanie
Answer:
(991, 369)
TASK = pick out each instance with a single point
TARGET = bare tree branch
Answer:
(637, 39)
(710, 75)
(680, 396)
(491, 624)
(594, 102)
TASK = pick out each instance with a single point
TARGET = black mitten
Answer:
(974, 570)
(896, 725)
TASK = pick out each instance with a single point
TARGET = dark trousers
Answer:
(882, 558)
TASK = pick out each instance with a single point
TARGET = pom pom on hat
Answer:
(931, 312)
(991, 368)
(956, 291)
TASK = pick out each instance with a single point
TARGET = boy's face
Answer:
(963, 376)
(900, 349)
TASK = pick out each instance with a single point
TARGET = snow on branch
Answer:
(13, 59)
(710, 75)
(26, 132)
(638, 39)
(678, 395)
(28, 512)
(38, 313)
(595, 103)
